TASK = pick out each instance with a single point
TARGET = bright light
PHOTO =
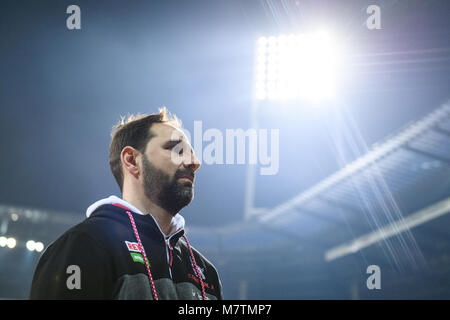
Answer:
(11, 242)
(39, 246)
(262, 41)
(296, 66)
(31, 245)
(3, 241)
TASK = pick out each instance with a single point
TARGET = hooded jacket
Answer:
(120, 253)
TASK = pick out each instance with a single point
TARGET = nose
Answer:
(191, 162)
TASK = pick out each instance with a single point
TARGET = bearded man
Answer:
(134, 247)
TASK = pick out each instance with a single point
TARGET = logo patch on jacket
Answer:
(132, 246)
(137, 257)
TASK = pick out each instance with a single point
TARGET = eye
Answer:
(176, 147)
(171, 145)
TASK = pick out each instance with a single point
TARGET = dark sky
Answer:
(61, 90)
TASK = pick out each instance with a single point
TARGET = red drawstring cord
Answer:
(196, 268)
(141, 249)
(170, 255)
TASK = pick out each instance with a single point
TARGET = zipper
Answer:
(169, 253)
(168, 246)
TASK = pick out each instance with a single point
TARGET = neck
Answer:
(162, 217)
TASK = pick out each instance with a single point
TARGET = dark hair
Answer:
(135, 131)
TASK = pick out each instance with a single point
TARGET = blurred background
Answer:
(363, 179)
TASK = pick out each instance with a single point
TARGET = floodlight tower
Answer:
(289, 67)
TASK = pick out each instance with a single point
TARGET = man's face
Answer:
(167, 174)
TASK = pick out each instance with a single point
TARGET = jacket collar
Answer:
(111, 200)
(177, 224)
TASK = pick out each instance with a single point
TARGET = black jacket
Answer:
(100, 259)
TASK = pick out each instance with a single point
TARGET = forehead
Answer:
(164, 132)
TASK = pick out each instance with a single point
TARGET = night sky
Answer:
(62, 90)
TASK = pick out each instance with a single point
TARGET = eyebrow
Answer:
(172, 142)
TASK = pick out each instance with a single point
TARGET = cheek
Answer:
(163, 160)
(157, 157)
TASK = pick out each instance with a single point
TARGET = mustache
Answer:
(185, 173)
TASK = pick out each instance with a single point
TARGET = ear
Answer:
(130, 161)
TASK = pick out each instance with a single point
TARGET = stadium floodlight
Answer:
(11, 242)
(31, 245)
(292, 67)
(34, 246)
(302, 66)
(3, 241)
(38, 246)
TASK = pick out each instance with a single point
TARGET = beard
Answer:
(165, 191)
